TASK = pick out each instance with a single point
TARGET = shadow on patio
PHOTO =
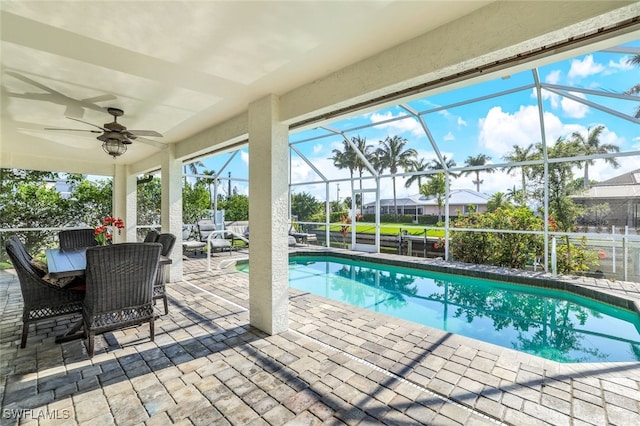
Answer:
(336, 365)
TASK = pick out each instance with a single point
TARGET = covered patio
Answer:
(336, 364)
(252, 88)
(239, 349)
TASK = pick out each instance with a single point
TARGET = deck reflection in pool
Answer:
(552, 324)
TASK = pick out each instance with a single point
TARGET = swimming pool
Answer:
(552, 324)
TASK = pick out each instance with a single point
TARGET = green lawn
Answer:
(390, 229)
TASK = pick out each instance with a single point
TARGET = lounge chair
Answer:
(191, 242)
(217, 240)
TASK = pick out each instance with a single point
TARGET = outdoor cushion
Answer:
(61, 282)
(41, 268)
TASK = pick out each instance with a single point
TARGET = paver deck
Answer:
(336, 365)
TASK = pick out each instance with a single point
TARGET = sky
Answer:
(490, 126)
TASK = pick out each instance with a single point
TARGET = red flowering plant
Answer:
(345, 228)
(104, 232)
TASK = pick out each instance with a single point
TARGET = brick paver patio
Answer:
(336, 365)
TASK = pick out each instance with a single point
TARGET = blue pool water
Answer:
(552, 324)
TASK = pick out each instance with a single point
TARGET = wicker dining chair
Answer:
(159, 288)
(152, 236)
(120, 280)
(41, 300)
(77, 238)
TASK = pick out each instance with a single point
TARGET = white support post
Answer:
(125, 203)
(268, 216)
(171, 206)
(554, 258)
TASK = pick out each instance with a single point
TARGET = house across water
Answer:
(460, 200)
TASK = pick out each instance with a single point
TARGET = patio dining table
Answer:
(73, 263)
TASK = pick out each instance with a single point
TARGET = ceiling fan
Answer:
(114, 136)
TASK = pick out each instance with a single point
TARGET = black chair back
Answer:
(168, 241)
(71, 239)
(152, 236)
(120, 281)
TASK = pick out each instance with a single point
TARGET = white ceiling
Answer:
(178, 67)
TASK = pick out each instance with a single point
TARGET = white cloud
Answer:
(572, 108)
(449, 137)
(317, 149)
(586, 67)
(553, 77)
(461, 122)
(406, 125)
(553, 98)
(499, 130)
(622, 64)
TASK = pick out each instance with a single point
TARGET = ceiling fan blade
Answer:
(90, 124)
(74, 111)
(73, 130)
(150, 142)
(145, 133)
(33, 83)
(101, 98)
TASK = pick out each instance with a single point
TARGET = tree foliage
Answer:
(235, 207)
(513, 250)
(305, 206)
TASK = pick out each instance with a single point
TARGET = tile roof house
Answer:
(419, 205)
(621, 193)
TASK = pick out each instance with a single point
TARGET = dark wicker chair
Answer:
(120, 280)
(152, 236)
(159, 288)
(42, 301)
(77, 238)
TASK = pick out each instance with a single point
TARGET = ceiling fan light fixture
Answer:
(114, 147)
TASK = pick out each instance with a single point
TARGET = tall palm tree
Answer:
(366, 150)
(416, 166)
(591, 146)
(635, 90)
(435, 164)
(392, 155)
(192, 168)
(520, 154)
(345, 158)
(213, 175)
(478, 160)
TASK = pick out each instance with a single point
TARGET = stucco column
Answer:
(171, 207)
(268, 217)
(125, 202)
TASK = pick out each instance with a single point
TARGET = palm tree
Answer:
(435, 164)
(591, 146)
(362, 146)
(345, 158)
(416, 166)
(497, 201)
(479, 160)
(520, 154)
(192, 168)
(213, 178)
(635, 90)
(393, 155)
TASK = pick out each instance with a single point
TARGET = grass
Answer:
(389, 229)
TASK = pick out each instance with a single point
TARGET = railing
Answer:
(617, 251)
